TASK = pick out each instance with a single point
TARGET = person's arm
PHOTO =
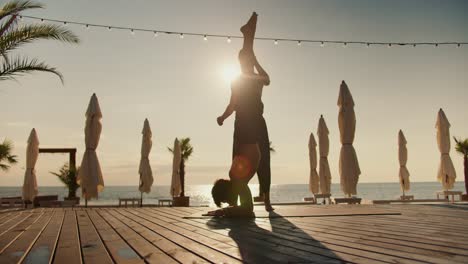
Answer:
(262, 73)
(229, 109)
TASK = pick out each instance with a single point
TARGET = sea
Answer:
(200, 195)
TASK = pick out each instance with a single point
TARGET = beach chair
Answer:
(12, 201)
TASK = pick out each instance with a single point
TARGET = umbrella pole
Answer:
(141, 199)
(86, 202)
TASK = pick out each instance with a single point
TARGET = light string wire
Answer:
(229, 37)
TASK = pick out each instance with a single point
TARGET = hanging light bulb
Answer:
(229, 40)
(64, 23)
(367, 45)
(414, 45)
(155, 33)
(205, 38)
(132, 31)
(42, 20)
(21, 18)
(276, 42)
(436, 45)
(299, 43)
(322, 44)
(181, 35)
(389, 45)
(345, 44)
(458, 45)
(87, 26)
(109, 28)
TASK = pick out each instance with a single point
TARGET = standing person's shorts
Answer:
(246, 131)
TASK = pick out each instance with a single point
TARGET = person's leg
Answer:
(248, 31)
(264, 168)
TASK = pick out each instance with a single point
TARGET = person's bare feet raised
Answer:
(251, 25)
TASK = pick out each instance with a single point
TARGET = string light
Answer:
(230, 37)
(132, 31)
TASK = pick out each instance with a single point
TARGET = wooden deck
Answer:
(295, 234)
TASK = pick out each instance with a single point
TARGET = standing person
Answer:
(251, 143)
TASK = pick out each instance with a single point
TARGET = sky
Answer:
(179, 85)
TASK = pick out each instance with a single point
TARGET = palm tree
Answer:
(186, 150)
(68, 178)
(6, 158)
(13, 36)
(462, 148)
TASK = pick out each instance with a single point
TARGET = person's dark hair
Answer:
(222, 192)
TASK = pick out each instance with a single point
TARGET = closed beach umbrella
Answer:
(349, 166)
(403, 158)
(324, 148)
(146, 175)
(446, 174)
(176, 187)
(32, 153)
(314, 178)
(90, 174)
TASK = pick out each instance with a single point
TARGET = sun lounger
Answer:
(161, 202)
(12, 201)
(127, 200)
(450, 193)
(43, 198)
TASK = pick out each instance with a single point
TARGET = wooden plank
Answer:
(251, 249)
(143, 247)
(312, 245)
(15, 231)
(361, 244)
(391, 228)
(176, 251)
(68, 246)
(16, 219)
(43, 250)
(92, 246)
(15, 252)
(117, 247)
(256, 255)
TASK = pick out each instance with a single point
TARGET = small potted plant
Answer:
(68, 177)
(461, 147)
(186, 151)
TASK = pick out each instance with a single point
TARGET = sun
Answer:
(230, 72)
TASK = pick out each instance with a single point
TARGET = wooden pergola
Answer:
(71, 151)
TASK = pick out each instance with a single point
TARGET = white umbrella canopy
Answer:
(90, 174)
(30, 181)
(176, 187)
(446, 174)
(349, 165)
(403, 158)
(313, 178)
(146, 174)
(324, 148)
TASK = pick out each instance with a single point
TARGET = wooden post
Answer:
(141, 199)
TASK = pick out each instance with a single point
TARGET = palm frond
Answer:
(170, 150)
(4, 167)
(20, 66)
(15, 7)
(461, 146)
(29, 33)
